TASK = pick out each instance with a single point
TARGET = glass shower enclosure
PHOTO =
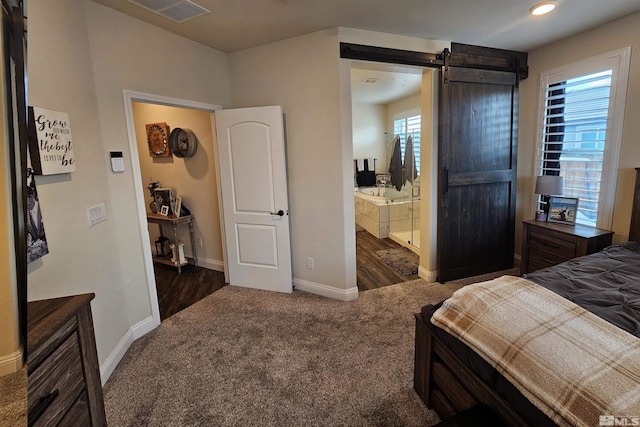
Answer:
(403, 196)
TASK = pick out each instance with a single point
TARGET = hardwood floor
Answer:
(178, 291)
(372, 271)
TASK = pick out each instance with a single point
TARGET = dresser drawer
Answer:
(562, 249)
(540, 259)
(55, 385)
(546, 244)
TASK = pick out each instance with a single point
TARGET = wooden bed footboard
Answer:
(447, 386)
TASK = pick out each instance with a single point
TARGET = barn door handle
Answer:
(445, 180)
(279, 213)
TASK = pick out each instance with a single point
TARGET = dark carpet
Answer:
(243, 357)
(13, 399)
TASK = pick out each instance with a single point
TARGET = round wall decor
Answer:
(184, 142)
(157, 139)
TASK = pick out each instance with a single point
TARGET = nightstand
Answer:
(546, 243)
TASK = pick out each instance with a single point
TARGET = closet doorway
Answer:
(169, 291)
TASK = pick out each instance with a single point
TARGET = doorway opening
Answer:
(187, 178)
(387, 127)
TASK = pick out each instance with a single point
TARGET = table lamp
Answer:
(547, 186)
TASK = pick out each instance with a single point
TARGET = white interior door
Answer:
(253, 183)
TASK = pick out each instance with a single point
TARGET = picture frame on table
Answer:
(563, 210)
(178, 206)
(164, 196)
(164, 210)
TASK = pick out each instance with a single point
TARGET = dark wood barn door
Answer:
(478, 150)
(478, 118)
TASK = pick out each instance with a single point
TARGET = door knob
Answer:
(279, 213)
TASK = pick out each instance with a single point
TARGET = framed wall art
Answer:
(37, 246)
(158, 139)
(563, 210)
(50, 146)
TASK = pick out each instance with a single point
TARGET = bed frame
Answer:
(446, 385)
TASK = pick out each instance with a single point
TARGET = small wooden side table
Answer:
(174, 222)
(546, 243)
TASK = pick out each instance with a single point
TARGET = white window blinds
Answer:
(574, 138)
(405, 127)
(580, 131)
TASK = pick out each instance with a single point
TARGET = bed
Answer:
(457, 368)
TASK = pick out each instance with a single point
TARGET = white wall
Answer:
(306, 76)
(193, 178)
(369, 134)
(81, 56)
(373, 128)
(612, 36)
(81, 259)
(302, 75)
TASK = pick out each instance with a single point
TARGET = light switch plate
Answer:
(97, 214)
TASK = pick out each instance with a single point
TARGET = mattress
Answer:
(606, 283)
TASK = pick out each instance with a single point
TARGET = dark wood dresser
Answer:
(64, 387)
(546, 243)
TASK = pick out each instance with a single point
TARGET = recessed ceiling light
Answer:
(543, 8)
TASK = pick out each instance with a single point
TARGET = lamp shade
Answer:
(549, 185)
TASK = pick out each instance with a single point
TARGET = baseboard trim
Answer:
(427, 275)
(326, 291)
(211, 264)
(136, 331)
(143, 327)
(11, 363)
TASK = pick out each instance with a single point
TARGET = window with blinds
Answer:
(405, 127)
(574, 138)
(580, 133)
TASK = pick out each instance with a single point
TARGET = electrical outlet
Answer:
(200, 242)
(311, 263)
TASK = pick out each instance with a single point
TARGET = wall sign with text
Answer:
(50, 146)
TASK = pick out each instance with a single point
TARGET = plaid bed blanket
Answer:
(575, 367)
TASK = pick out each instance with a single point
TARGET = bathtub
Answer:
(381, 214)
(382, 195)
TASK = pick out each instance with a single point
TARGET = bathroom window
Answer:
(580, 128)
(405, 127)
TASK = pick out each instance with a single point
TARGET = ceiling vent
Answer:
(176, 10)
(370, 80)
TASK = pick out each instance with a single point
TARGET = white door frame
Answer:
(130, 97)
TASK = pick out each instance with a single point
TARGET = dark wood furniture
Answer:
(476, 416)
(445, 384)
(174, 222)
(545, 244)
(477, 151)
(64, 386)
